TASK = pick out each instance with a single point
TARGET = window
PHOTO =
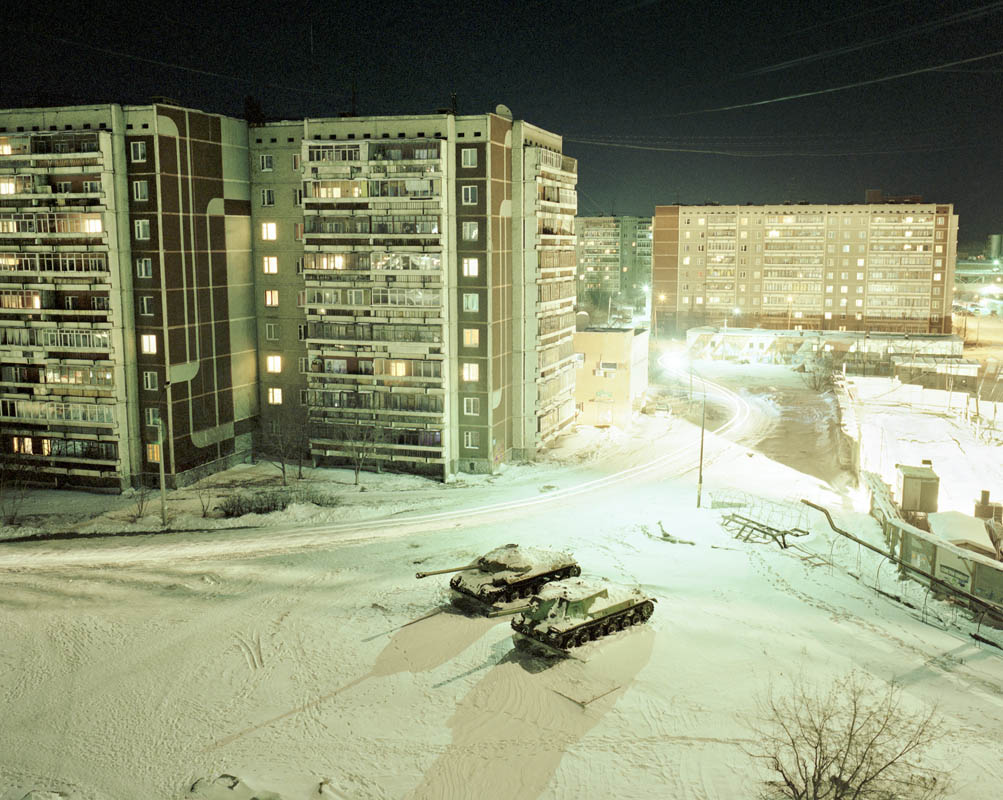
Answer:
(150, 381)
(471, 302)
(268, 197)
(355, 297)
(268, 231)
(298, 197)
(148, 343)
(471, 406)
(274, 396)
(296, 162)
(63, 187)
(471, 337)
(469, 231)
(137, 151)
(397, 369)
(273, 364)
(271, 331)
(271, 297)
(22, 444)
(469, 195)
(471, 439)
(146, 306)
(141, 229)
(301, 333)
(471, 267)
(69, 303)
(153, 453)
(468, 156)
(140, 190)
(265, 163)
(471, 372)
(271, 265)
(152, 416)
(298, 231)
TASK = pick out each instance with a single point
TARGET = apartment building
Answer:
(126, 305)
(614, 253)
(417, 281)
(870, 267)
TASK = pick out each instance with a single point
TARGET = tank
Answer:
(508, 573)
(570, 613)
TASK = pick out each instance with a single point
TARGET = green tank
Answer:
(508, 573)
(569, 613)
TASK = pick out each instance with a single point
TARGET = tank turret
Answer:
(508, 573)
(570, 613)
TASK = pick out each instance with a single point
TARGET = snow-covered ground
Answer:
(281, 651)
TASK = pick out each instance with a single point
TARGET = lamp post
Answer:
(703, 427)
(160, 449)
(790, 310)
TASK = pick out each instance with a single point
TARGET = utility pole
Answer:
(703, 427)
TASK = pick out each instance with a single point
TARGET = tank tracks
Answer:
(522, 589)
(593, 629)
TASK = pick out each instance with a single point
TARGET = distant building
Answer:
(125, 292)
(614, 255)
(824, 267)
(612, 375)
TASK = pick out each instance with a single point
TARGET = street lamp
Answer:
(790, 309)
(160, 453)
(703, 427)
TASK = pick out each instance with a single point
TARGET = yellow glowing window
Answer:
(397, 368)
(268, 232)
(471, 372)
(274, 396)
(148, 343)
(153, 453)
(471, 337)
(6, 187)
(273, 363)
(271, 265)
(92, 225)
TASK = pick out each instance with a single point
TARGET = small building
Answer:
(918, 488)
(612, 374)
(938, 372)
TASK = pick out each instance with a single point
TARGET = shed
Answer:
(918, 488)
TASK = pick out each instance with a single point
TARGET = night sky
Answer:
(620, 81)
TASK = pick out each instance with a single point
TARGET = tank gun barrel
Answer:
(508, 612)
(421, 575)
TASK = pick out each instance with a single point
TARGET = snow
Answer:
(296, 651)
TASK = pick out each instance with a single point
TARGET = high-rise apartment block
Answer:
(125, 291)
(614, 254)
(887, 267)
(399, 287)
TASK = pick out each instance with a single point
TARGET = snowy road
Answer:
(129, 668)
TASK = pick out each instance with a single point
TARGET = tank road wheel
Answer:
(621, 623)
(635, 619)
(525, 591)
(610, 628)
(582, 638)
(574, 571)
(645, 611)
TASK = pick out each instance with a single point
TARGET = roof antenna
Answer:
(355, 98)
(452, 102)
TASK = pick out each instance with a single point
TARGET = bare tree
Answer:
(853, 739)
(141, 497)
(359, 443)
(15, 485)
(818, 373)
(286, 440)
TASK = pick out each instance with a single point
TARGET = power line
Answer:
(194, 70)
(778, 154)
(843, 88)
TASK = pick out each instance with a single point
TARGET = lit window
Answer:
(471, 302)
(397, 369)
(860, 303)
(265, 163)
(468, 157)
(470, 267)
(860, 263)
(271, 265)
(268, 233)
(271, 297)
(93, 225)
(471, 337)
(138, 151)
(471, 372)
(937, 276)
(471, 439)
(274, 396)
(469, 231)
(470, 195)
(148, 343)
(828, 315)
(471, 406)
(140, 190)
(22, 444)
(144, 268)
(141, 229)
(268, 197)
(273, 364)
(150, 381)
(153, 453)
(686, 260)
(6, 187)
